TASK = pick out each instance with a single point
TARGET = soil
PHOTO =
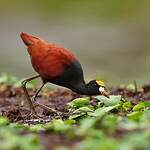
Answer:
(13, 104)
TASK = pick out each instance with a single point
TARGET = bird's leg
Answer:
(24, 82)
(41, 105)
(32, 106)
(37, 92)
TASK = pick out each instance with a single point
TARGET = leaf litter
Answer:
(85, 123)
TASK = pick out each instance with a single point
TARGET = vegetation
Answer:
(97, 123)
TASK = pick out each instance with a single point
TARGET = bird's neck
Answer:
(80, 88)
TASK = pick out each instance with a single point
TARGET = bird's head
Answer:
(97, 87)
(30, 40)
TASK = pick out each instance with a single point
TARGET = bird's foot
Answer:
(47, 108)
(33, 118)
(34, 114)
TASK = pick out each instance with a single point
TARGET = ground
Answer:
(84, 123)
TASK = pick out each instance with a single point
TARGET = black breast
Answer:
(73, 74)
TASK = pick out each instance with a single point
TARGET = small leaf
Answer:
(139, 107)
(8, 79)
(37, 127)
(112, 100)
(84, 109)
(18, 126)
(70, 121)
(80, 112)
(85, 125)
(4, 121)
(75, 116)
(131, 87)
(102, 111)
(147, 104)
(127, 105)
(59, 125)
(80, 102)
(135, 115)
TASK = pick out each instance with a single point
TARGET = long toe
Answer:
(48, 108)
(33, 115)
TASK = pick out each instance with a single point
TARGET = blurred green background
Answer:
(110, 37)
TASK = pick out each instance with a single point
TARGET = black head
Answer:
(96, 87)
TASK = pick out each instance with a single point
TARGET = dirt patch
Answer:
(51, 140)
(142, 94)
(13, 104)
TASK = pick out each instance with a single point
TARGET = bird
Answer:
(57, 65)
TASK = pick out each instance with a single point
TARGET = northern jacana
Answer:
(59, 66)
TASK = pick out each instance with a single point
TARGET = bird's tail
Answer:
(29, 39)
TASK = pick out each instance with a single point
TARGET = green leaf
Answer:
(75, 116)
(146, 116)
(100, 143)
(80, 112)
(85, 125)
(102, 111)
(8, 79)
(147, 104)
(135, 141)
(109, 123)
(58, 125)
(127, 105)
(80, 102)
(69, 121)
(4, 121)
(37, 127)
(112, 100)
(131, 87)
(12, 140)
(135, 115)
(83, 109)
(127, 124)
(141, 106)
(18, 126)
